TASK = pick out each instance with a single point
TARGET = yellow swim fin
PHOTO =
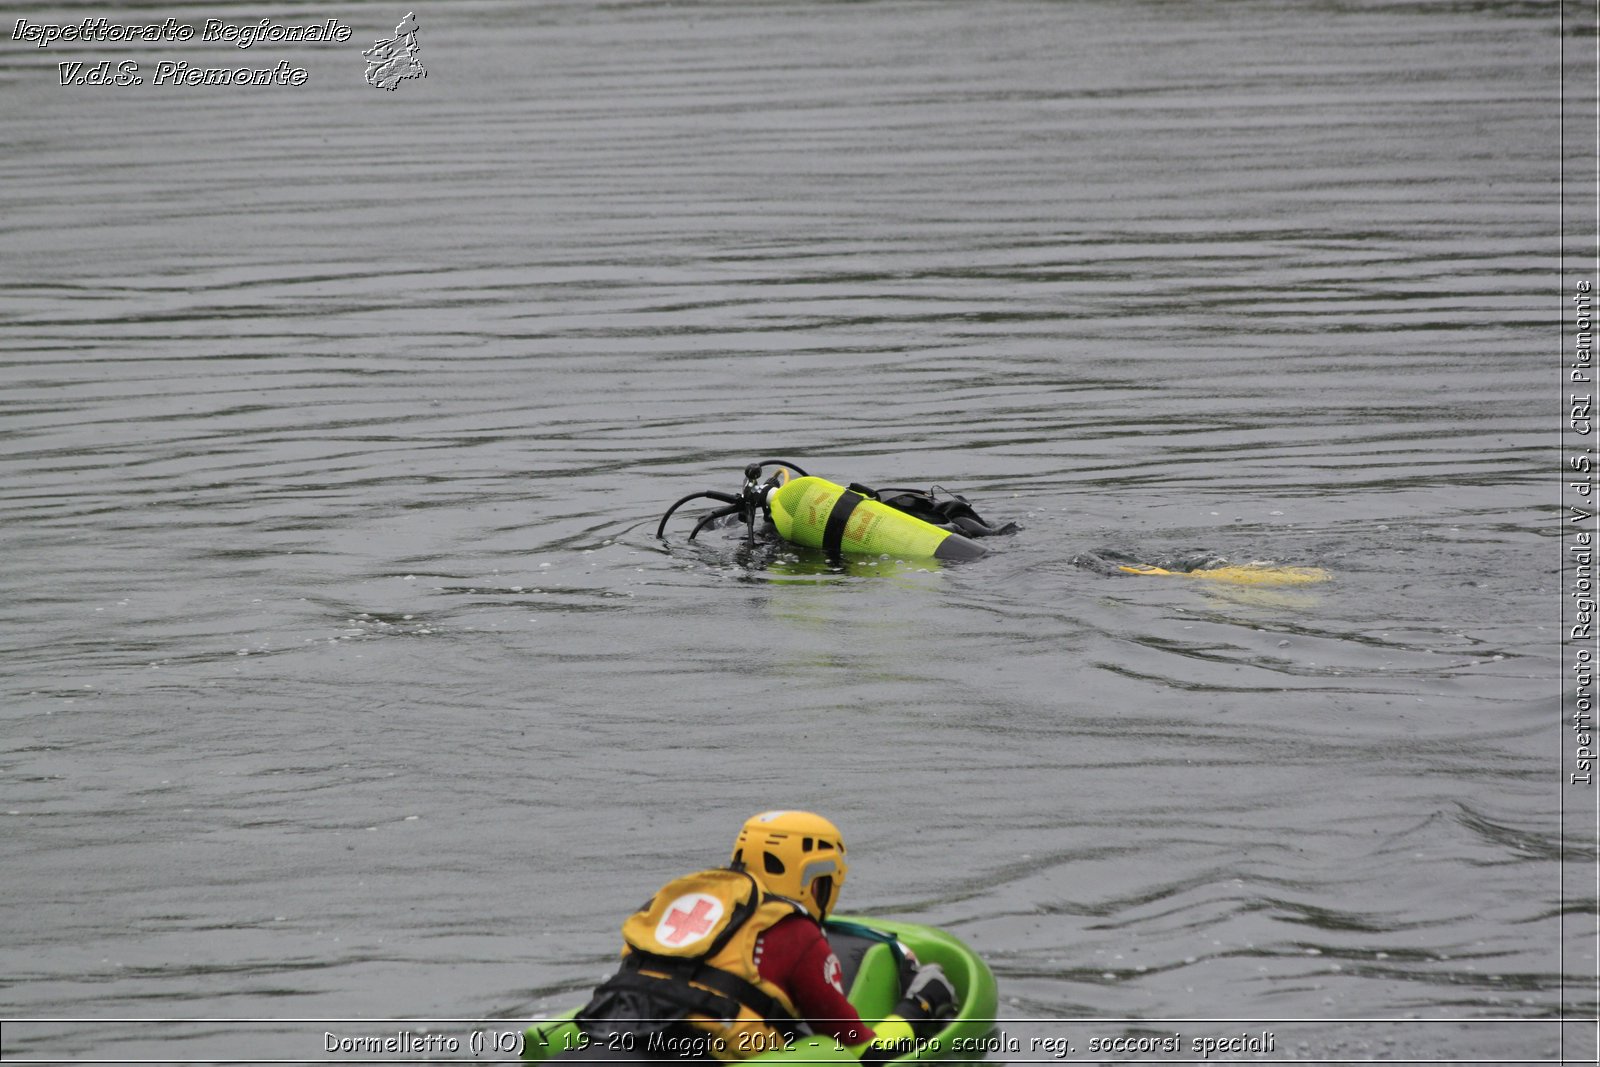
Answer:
(1240, 574)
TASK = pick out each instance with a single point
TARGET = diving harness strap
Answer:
(839, 515)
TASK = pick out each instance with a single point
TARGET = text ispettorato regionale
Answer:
(103, 31)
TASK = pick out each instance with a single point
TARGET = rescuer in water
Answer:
(732, 962)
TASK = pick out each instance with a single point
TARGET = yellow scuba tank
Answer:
(817, 513)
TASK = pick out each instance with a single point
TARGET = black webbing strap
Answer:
(731, 985)
(714, 993)
(833, 530)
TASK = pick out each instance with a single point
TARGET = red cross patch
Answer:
(833, 973)
(688, 919)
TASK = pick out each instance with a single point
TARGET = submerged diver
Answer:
(733, 962)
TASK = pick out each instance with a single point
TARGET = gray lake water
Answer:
(345, 681)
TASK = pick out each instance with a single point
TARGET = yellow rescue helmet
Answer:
(794, 854)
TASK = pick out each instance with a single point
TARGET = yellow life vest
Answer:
(691, 950)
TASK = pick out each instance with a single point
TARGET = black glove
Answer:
(930, 996)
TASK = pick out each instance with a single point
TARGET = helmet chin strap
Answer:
(822, 892)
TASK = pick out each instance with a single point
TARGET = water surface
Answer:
(345, 677)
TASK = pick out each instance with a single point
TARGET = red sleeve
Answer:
(795, 956)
